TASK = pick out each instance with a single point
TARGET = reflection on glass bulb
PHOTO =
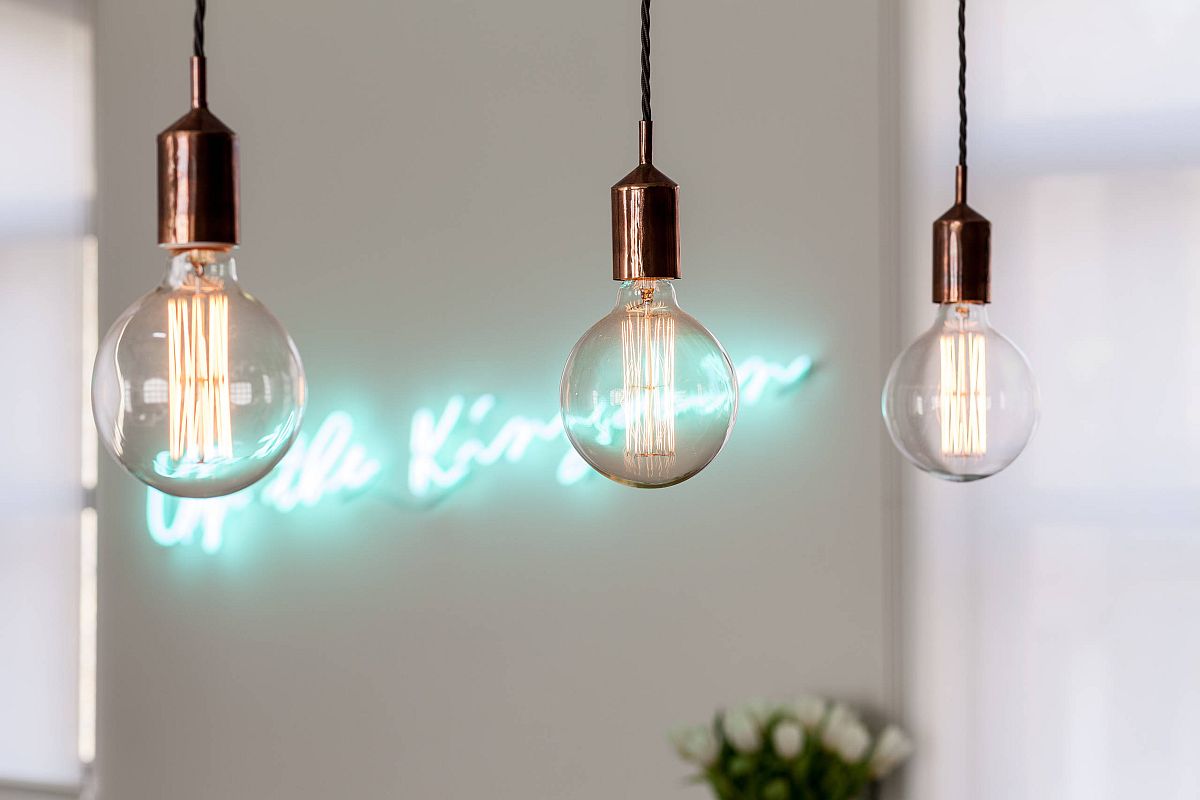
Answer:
(655, 373)
(961, 403)
(198, 390)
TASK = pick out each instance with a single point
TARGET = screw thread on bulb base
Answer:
(962, 251)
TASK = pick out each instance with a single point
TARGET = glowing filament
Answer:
(198, 377)
(648, 364)
(962, 393)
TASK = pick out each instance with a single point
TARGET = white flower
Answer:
(808, 709)
(854, 743)
(742, 731)
(893, 747)
(845, 734)
(759, 710)
(696, 744)
(839, 718)
(788, 739)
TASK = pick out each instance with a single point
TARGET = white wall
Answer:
(425, 193)
(38, 791)
(1050, 645)
(45, 194)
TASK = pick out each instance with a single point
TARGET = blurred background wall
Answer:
(1049, 647)
(425, 191)
(47, 271)
(425, 206)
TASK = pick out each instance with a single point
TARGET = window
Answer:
(241, 393)
(154, 391)
(47, 529)
(1051, 652)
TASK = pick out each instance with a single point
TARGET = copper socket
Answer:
(645, 219)
(198, 176)
(962, 251)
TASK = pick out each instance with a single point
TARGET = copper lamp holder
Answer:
(962, 251)
(645, 219)
(198, 176)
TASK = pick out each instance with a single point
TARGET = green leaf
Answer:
(740, 766)
(777, 789)
(722, 787)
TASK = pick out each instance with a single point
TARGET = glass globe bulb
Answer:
(198, 390)
(648, 395)
(961, 402)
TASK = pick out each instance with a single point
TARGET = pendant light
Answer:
(198, 390)
(648, 395)
(961, 402)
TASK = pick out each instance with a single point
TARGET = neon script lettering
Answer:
(444, 450)
(438, 460)
(312, 470)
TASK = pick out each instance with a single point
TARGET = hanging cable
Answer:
(962, 83)
(646, 60)
(198, 29)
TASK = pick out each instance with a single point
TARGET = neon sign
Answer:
(444, 450)
(313, 469)
(431, 433)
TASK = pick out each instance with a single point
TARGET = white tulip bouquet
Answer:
(806, 749)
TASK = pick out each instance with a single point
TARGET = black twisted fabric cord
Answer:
(646, 60)
(198, 29)
(962, 83)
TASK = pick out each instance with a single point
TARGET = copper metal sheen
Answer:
(198, 176)
(645, 219)
(962, 251)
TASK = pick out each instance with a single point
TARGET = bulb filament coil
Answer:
(648, 366)
(198, 377)
(962, 394)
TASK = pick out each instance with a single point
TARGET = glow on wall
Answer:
(444, 449)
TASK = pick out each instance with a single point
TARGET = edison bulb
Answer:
(961, 403)
(648, 394)
(198, 390)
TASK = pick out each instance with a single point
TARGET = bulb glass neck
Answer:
(199, 267)
(958, 315)
(646, 293)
